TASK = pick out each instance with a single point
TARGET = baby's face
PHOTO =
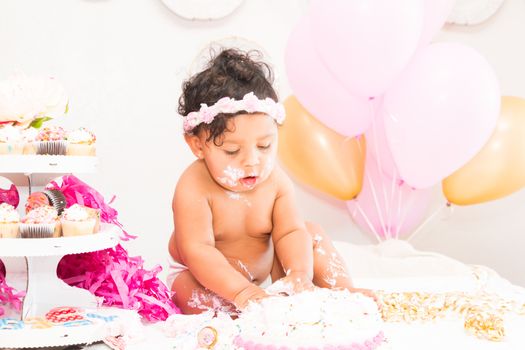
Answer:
(246, 156)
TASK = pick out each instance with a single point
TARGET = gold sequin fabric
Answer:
(481, 311)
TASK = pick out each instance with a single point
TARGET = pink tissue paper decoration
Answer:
(10, 196)
(9, 296)
(120, 280)
(78, 192)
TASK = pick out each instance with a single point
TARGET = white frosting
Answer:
(81, 135)
(29, 134)
(9, 133)
(311, 319)
(8, 214)
(75, 213)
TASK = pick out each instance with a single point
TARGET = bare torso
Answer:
(242, 224)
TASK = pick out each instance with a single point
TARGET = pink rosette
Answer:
(251, 102)
(226, 105)
(206, 113)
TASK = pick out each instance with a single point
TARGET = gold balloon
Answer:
(499, 168)
(318, 156)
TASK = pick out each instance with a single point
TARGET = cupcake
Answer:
(81, 142)
(9, 220)
(29, 137)
(51, 140)
(41, 222)
(11, 141)
(77, 220)
(54, 198)
(35, 200)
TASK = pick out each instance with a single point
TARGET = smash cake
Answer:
(321, 319)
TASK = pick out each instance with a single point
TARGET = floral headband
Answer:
(249, 103)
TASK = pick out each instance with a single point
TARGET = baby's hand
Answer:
(299, 281)
(250, 293)
(368, 293)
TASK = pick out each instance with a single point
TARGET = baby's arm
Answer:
(196, 246)
(293, 243)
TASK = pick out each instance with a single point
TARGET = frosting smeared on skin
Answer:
(317, 244)
(206, 300)
(232, 176)
(335, 270)
(245, 269)
(238, 197)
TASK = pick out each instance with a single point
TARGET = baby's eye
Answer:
(231, 153)
(264, 146)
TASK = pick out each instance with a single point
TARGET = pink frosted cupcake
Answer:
(51, 140)
(11, 141)
(41, 222)
(81, 142)
(9, 221)
(78, 220)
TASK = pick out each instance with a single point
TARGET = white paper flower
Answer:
(26, 99)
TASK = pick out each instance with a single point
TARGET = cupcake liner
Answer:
(51, 147)
(95, 214)
(57, 199)
(13, 148)
(78, 228)
(30, 148)
(37, 230)
(9, 230)
(79, 149)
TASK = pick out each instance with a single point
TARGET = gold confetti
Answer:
(483, 312)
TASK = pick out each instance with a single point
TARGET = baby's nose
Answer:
(251, 158)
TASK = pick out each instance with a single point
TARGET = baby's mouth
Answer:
(248, 181)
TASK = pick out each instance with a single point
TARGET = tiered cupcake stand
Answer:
(31, 263)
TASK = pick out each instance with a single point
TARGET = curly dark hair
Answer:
(232, 73)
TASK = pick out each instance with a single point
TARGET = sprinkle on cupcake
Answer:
(45, 214)
(51, 133)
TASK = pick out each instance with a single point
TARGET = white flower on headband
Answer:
(249, 103)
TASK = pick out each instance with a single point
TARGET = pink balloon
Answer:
(436, 13)
(318, 91)
(441, 112)
(366, 44)
(386, 206)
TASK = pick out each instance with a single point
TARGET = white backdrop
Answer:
(122, 63)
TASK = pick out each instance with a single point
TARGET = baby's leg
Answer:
(192, 298)
(329, 268)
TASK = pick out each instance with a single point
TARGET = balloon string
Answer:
(392, 196)
(376, 202)
(418, 229)
(407, 209)
(379, 163)
(370, 226)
